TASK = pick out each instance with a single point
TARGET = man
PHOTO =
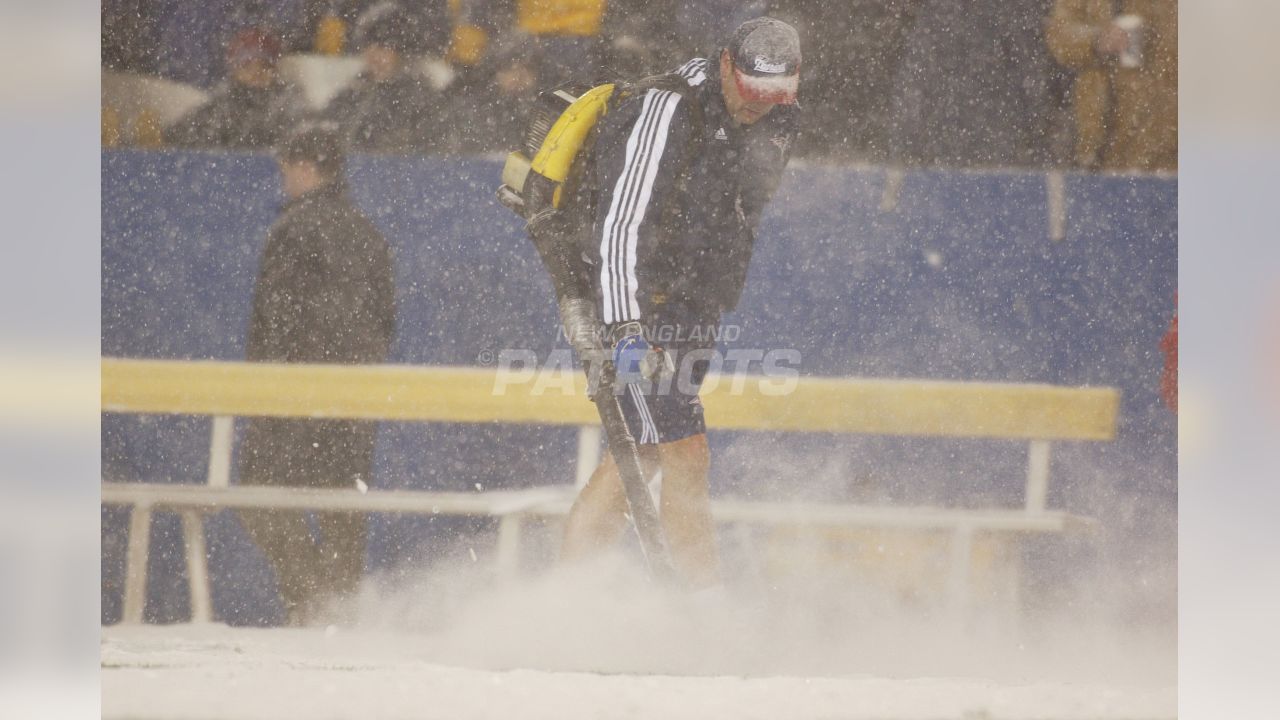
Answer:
(489, 102)
(324, 295)
(1126, 88)
(682, 178)
(253, 108)
(389, 107)
(972, 86)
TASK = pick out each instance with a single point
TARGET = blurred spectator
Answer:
(467, 45)
(703, 24)
(324, 294)
(640, 38)
(972, 87)
(141, 130)
(1169, 376)
(500, 70)
(1126, 86)
(130, 38)
(252, 108)
(490, 102)
(136, 107)
(326, 26)
(566, 33)
(510, 51)
(852, 53)
(390, 107)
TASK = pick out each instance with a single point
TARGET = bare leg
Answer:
(597, 517)
(686, 511)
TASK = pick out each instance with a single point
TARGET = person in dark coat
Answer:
(389, 107)
(972, 89)
(324, 294)
(489, 104)
(253, 108)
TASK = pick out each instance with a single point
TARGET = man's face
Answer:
(515, 79)
(300, 177)
(743, 111)
(381, 61)
(254, 73)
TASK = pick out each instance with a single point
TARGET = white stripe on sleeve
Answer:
(629, 204)
(694, 72)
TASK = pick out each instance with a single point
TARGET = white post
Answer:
(508, 556)
(135, 568)
(220, 440)
(958, 581)
(1056, 189)
(588, 454)
(197, 567)
(1037, 475)
(1012, 562)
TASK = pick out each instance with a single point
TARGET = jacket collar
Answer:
(717, 113)
(328, 191)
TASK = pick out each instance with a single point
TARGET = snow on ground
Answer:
(180, 672)
(613, 647)
(236, 673)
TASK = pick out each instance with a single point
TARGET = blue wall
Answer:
(960, 280)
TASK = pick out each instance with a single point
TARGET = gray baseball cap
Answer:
(766, 60)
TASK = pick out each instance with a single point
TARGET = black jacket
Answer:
(239, 116)
(675, 210)
(324, 294)
(325, 291)
(395, 116)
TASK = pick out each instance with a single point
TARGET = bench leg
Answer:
(958, 592)
(508, 545)
(750, 554)
(197, 566)
(1013, 580)
(1037, 475)
(135, 568)
(220, 441)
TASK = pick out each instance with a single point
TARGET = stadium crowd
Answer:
(1090, 84)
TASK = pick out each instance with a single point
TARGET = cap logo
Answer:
(763, 65)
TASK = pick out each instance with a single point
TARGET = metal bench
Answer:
(1037, 414)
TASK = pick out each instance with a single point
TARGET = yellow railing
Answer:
(469, 394)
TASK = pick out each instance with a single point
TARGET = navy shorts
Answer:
(669, 410)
